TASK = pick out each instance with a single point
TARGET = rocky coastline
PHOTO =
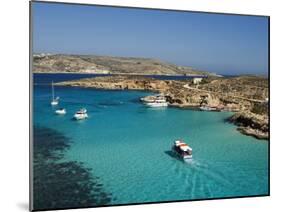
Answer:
(246, 96)
(251, 124)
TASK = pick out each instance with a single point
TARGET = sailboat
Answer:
(55, 101)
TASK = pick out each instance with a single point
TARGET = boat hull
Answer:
(54, 103)
(184, 157)
(187, 157)
(60, 112)
(80, 117)
(153, 104)
(180, 155)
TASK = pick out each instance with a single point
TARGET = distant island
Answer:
(92, 64)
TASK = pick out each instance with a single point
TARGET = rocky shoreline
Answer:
(246, 96)
(251, 124)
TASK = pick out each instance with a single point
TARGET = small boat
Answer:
(182, 149)
(207, 108)
(55, 101)
(158, 101)
(81, 114)
(60, 111)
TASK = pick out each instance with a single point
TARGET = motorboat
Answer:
(60, 111)
(81, 114)
(157, 101)
(55, 101)
(182, 149)
(207, 108)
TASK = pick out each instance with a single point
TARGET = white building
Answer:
(197, 80)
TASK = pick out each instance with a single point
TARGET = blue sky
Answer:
(225, 44)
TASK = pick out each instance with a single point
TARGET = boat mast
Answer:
(53, 91)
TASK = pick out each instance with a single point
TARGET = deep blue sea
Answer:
(46, 78)
(128, 146)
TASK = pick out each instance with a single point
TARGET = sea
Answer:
(128, 145)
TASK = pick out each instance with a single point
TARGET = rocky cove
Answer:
(246, 96)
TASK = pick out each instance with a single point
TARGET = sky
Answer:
(224, 44)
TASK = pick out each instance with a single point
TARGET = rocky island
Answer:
(247, 96)
(64, 63)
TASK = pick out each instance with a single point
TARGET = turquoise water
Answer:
(128, 146)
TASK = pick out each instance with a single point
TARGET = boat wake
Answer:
(191, 161)
(200, 179)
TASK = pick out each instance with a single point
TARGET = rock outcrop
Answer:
(120, 83)
(251, 124)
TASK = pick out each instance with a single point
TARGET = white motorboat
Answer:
(159, 101)
(81, 114)
(60, 111)
(207, 108)
(55, 101)
(182, 149)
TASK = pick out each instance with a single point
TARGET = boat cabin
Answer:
(182, 149)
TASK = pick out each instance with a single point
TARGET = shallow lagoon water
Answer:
(129, 147)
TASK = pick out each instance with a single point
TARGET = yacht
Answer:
(182, 149)
(158, 101)
(81, 114)
(55, 101)
(60, 111)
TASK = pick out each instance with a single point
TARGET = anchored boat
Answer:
(182, 149)
(60, 111)
(157, 101)
(81, 114)
(207, 108)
